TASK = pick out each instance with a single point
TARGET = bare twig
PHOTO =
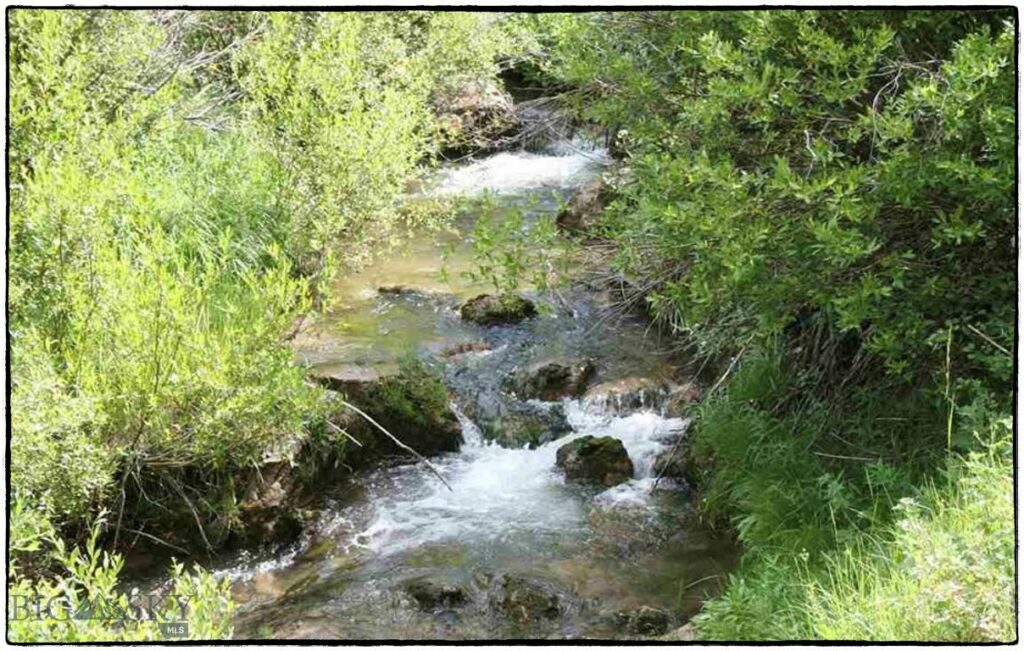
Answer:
(675, 446)
(989, 340)
(195, 514)
(156, 540)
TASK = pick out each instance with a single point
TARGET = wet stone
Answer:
(595, 460)
(431, 594)
(487, 309)
(644, 621)
(525, 599)
(554, 380)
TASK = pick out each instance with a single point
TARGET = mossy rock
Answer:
(488, 309)
(595, 460)
(411, 403)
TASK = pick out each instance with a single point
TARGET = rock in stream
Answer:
(601, 460)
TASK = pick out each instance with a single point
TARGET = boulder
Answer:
(487, 309)
(526, 425)
(526, 599)
(431, 594)
(581, 213)
(475, 116)
(554, 380)
(510, 422)
(595, 460)
(670, 464)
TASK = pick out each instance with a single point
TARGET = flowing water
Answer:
(509, 512)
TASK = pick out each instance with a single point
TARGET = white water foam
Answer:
(510, 172)
(501, 493)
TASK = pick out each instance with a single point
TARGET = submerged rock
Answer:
(402, 290)
(526, 599)
(487, 309)
(644, 620)
(581, 214)
(554, 380)
(431, 594)
(595, 460)
(464, 347)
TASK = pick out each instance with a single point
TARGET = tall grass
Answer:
(934, 563)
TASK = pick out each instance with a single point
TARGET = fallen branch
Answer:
(398, 442)
(157, 540)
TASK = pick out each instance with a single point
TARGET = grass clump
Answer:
(941, 570)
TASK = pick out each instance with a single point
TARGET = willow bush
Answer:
(830, 197)
(183, 184)
(856, 167)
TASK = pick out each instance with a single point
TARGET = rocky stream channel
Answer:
(532, 538)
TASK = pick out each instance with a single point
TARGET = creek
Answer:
(597, 555)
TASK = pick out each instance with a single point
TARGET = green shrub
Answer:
(60, 463)
(848, 168)
(84, 604)
(182, 184)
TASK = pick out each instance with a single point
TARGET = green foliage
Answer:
(848, 165)
(512, 248)
(948, 573)
(341, 103)
(182, 185)
(59, 462)
(837, 188)
(85, 605)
